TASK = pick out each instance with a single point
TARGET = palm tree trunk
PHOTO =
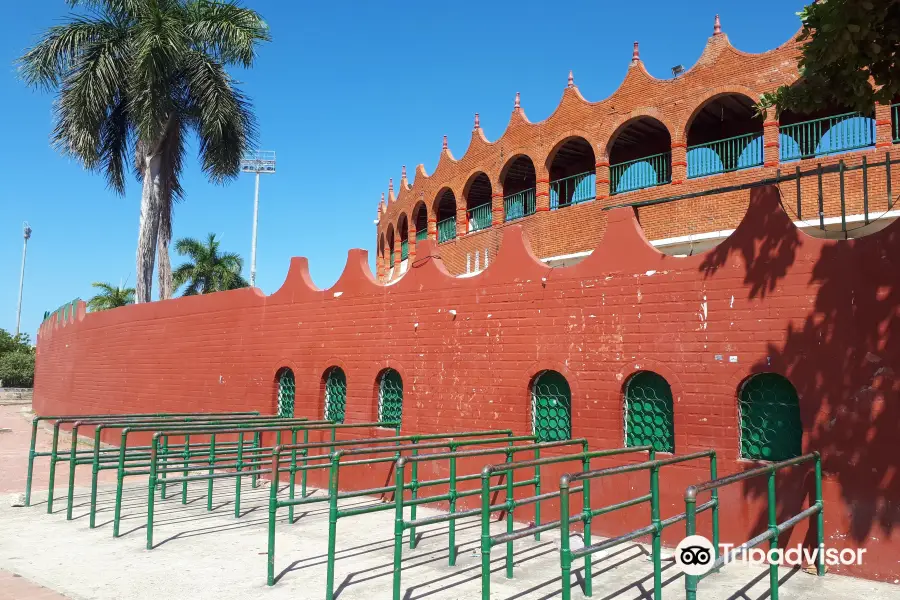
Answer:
(164, 268)
(148, 228)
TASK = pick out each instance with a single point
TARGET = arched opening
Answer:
(381, 246)
(478, 202)
(551, 407)
(519, 181)
(403, 233)
(649, 412)
(640, 156)
(286, 391)
(573, 175)
(770, 418)
(390, 247)
(335, 386)
(420, 217)
(390, 397)
(446, 216)
(831, 130)
(725, 134)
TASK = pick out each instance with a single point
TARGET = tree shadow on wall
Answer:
(842, 358)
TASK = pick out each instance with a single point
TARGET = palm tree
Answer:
(207, 270)
(110, 297)
(135, 78)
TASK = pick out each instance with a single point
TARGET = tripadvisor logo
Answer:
(694, 555)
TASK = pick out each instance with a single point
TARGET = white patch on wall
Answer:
(704, 313)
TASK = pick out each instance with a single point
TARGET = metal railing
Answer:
(518, 205)
(391, 260)
(422, 234)
(774, 527)
(573, 189)
(63, 312)
(640, 173)
(828, 135)
(404, 250)
(895, 122)
(655, 529)
(479, 217)
(726, 155)
(446, 230)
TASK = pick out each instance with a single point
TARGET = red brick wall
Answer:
(822, 313)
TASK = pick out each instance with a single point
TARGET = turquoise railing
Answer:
(828, 135)
(391, 259)
(640, 173)
(404, 249)
(895, 122)
(446, 230)
(573, 190)
(723, 156)
(518, 205)
(422, 234)
(480, 217)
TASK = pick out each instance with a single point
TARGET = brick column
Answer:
(432, 228)
(771, 147)
(379, 264)
(602, 167)
(396, 257)
(679, 162)
(541, 189)
(497, 204)
(411, 236)
(462, 218)
(884, 131)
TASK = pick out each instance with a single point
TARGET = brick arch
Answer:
(401, 230)
(390, 238)
(511, 158)
(275, 370)
(322, 369)
(725, 90)
(622, 122)
(374, 376)
(567, 136)
(416, 210)
(632, 368)
(436, 201)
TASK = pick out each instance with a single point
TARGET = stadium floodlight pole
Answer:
(26, 232)
(257, 161)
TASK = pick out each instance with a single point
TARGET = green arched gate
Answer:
(770, 418)
(286, 391)
(390, 396)
(551, 407)
(649, 413)
(335, 395)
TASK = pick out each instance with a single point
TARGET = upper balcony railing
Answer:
(573, 190)
(404, 249)
(391, 259)
(829, 135)
(479, 217)
(446, 230)
(518, 205)
(640, 173)
(422, 234)
(724, 156)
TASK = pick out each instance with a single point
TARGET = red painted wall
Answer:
(822, 313)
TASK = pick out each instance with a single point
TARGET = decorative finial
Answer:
(391, 187)
(517, 106)
(636, 53)
(571, 80)
(403, 173)
(717, 28)
(381, 205)
(444, 147)
(477, 122)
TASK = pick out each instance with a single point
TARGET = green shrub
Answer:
(17, 369)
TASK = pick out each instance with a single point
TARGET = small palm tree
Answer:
(135, 78)
(207, 270)
(110, 297)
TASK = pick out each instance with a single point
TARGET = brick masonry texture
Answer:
(820, 312)
(720, 70)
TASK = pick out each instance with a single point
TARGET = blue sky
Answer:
(346, 93)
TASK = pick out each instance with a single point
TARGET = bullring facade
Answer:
(652, 139)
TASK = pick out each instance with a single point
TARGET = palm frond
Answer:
(225, 31)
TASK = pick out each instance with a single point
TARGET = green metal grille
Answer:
(640, 173)
(551, 407)
(723, 156)
(391, 260)
(573, 190)
(770, 418)
(829, 135)
(286, 390)
(335, 395)
(404, 249)
(390, 397)
(421, 234)
(480, 217)
(446, 230)
(518, 205)
(649, 415)
(895, 122)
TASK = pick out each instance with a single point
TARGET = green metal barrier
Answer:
(566, 555)
(488, 541)
(107, 458)
(518, 205)
(32, 454)
(401, 525)
(446, 230)
(253, 459)
(333, 464)
(774, 529)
